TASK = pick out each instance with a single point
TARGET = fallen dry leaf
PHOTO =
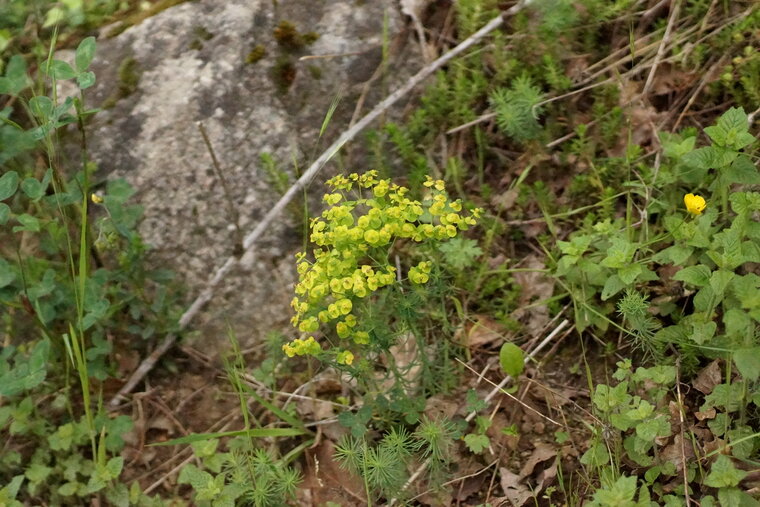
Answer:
(676, 451)
(516, 493)
(706, 414)
(708, 378)
(536, 286)
(483, 331)
(542, 452)
(324, 481)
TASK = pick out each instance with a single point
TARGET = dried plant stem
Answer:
(663, 45)
(250, 239)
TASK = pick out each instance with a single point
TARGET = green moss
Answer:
(283, 74)
(128, 80)
(289, 38)
(201, 35)
(315, 71)
(256, 54)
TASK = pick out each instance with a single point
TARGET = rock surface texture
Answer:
(232, 65)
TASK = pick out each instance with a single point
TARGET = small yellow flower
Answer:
(96, 199)
(695, 204)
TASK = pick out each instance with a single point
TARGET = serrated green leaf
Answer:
(705, 300)
(460, 253)
(512, 359)
(607, 398)
(737, 323)
(742, 171)
(746, 289)
(653, 428)
(676, 254)
(723, 473)
(619, 254)
(596, 455)
(476, 443)
(728, 396)
(114, 466)
(719, 280)
(698, 275)
(612, 286)
(734, 497)
(734, 119)
(69, 489)
(37, 473)
(748, 362)
(703, 332)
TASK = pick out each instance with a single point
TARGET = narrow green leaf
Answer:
(5, 213)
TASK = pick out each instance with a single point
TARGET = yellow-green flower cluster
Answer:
(300, 347)
(420, 273)
(350, 233)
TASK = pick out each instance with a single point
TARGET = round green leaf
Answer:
(8, 184)
(59, 69)
(512, 359)
(41, 106)
(86, 79)
(32, 188)
(85, 53)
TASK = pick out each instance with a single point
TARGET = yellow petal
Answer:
(695, 204)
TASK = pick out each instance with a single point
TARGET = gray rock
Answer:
(187, 64)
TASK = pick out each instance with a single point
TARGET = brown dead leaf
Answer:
(440, 406)
(405, 353)
(505, 200)
(706, 414)
(714, 445)
(324, 481)
(676, 452)
(516, 493)
(670, 79)
(536, 286)
(708, 378)
(483, 331)
(542, 452)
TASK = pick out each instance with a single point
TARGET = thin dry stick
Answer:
(751, 116)
(707, 76)
(488, 398)
(525, 405)
(687, 498)
(231, 209)
(248, 242)
(663, 44)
